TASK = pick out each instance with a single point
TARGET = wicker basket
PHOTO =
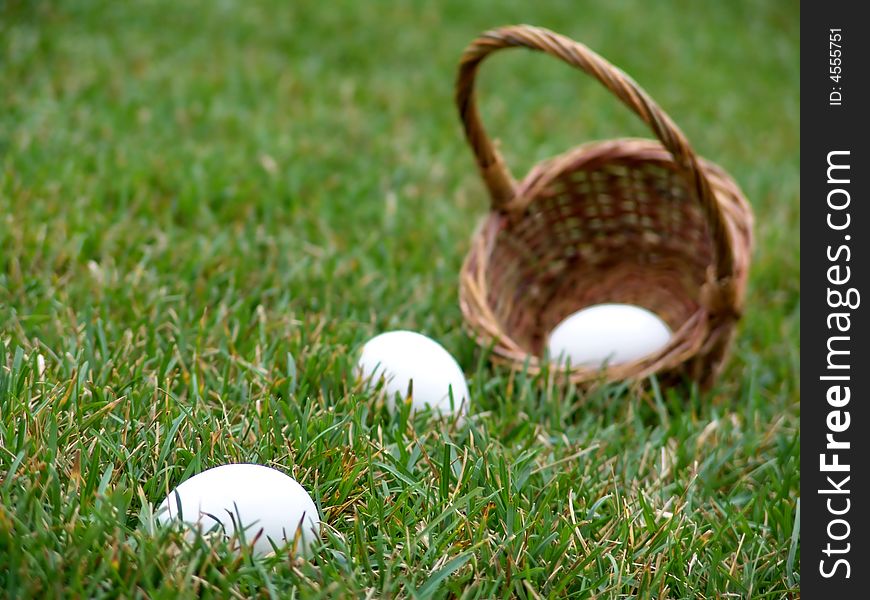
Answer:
(632, 221)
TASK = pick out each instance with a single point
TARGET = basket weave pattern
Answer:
(633, 221)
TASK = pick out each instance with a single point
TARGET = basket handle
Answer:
(497, 177)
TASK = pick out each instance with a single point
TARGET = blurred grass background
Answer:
(206, 207)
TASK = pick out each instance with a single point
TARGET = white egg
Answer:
(609, 334)
(266, 502)
(402, 357)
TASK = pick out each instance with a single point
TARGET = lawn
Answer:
(207, 207)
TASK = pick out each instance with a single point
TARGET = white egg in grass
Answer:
(403, 357)
(267, 505)
(607, 334)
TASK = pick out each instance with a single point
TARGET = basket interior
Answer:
(624, 230)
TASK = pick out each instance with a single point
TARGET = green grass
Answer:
(206, 207)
